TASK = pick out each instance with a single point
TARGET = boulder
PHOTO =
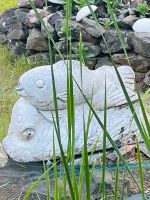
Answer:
(22, 15)
(32, 16)
(40, 58)
(147, 78)
(17, 48)
(127, 22)
(84, 12)
(26, 3)
(3, 39)
(91, 27)
(36, 41)
(17, 33)
(50, 28)
(89, 49)
(77, 28)
(103, 61)
(141, 43)
(142, 25)
(8, 24)
(137, 62)
(114, 43)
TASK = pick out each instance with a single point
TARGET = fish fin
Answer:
(62, 97)
(50, 116)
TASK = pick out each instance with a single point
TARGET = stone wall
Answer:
(24, 34)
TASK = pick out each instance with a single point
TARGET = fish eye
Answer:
(40, 84)
(28, 132)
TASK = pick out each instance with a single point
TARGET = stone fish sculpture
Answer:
(30, 134)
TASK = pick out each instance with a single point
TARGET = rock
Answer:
(141, 43)
(50, 28)
(17, 33)
(17, 48)
(53, 18)
(84, 12)
(91, 28)
(90, 62)
(40, 58)
(127, 22)
(62, 46)
(76, 29)
(138, 197)
(142, 25)
(26, 3)
(103, 61)
(32, 118)
(3, 39)
(3, 157)
(137, 62)
(96, 159)
(32, 16)
(114, 43)
(147, 78)
(56, 1)
(22, 15)
(90, 50)
(8, 24)
(36, 41)
(139, 77)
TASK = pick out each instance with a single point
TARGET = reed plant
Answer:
(70, 180)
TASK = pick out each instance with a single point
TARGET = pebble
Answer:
(142, 25)
(84, 12)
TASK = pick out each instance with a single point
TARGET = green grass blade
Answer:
(140, 168)
(108, 135)
(116, 181)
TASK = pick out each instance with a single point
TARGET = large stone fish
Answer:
(30, 135)
(36, 85)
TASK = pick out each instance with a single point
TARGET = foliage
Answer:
(7, 4)
(10, 70)
(116, 5)
(143, 9)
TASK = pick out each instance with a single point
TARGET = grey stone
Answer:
(76, 29)
(22, 15)
(50, 28)
(26, 3)
(3, 39)
(103, 61)
(17, 33)
(90, 62)
(8, 24)
(40, 58)
(91, 27)
(137, 62)
(54, 17)
(17, 48)
(36, 41)
(127, 22)
(141, 43)
(62, 46)
(114, 43)
(139, 77)
(138, 197)
(91, 50)
(33, 19)
(147, 78)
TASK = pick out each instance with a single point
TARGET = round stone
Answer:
(142, 25)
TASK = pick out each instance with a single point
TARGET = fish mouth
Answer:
(20, 90)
